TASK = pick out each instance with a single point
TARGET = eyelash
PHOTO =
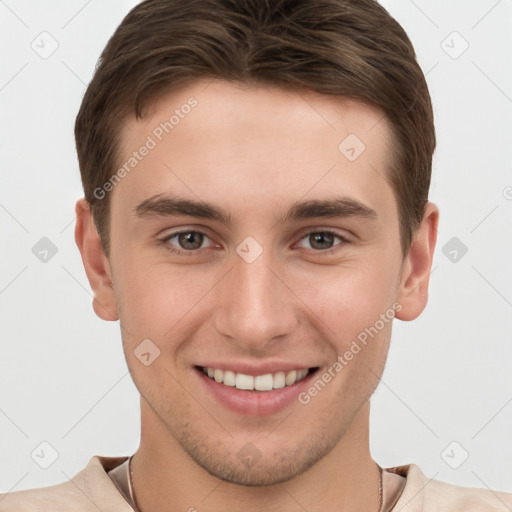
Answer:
(181, 252)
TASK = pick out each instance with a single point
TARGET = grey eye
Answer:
(190, 240)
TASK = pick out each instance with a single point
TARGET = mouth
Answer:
(264, 383)
(257, 395)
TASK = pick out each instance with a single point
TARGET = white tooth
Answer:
(229, 378)
(244, 381)
(263, 382)
(291, 377)
(279, 380)
(301, 374)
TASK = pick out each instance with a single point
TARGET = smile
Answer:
(264, 382)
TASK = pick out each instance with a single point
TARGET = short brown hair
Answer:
(351, 48)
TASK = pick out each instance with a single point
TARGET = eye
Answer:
(322, 241)
(185, 242)
(190, 242)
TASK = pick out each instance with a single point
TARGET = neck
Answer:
(165, 476)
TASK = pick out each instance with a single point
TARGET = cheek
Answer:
(155, 299)
(350, 299)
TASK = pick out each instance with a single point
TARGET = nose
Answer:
(256, 307)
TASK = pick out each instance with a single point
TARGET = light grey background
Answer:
(448, 379)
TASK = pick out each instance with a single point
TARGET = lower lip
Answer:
(255, 403)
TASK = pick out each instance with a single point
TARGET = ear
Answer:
(96, 264)
(413, 290)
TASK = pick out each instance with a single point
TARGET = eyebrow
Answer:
(163, 206)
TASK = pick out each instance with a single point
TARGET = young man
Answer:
(256, 214)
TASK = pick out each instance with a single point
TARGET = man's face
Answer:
(268, 286)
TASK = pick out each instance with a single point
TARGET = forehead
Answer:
(255, 107)
(214, 138)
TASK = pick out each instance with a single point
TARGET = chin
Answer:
(251, 467)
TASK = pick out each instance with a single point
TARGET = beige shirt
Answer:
(405, 489)
(392, 486)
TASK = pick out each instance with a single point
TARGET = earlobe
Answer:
(96, 264)
(413, 291)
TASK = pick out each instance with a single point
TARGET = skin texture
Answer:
(255, 151)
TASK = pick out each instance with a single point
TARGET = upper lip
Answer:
(251, 368)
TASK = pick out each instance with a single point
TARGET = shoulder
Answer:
(89, 490)
(423, 494)
(55, 497)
